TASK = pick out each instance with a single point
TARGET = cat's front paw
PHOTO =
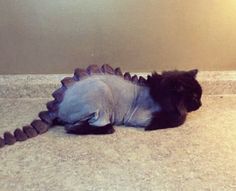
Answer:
(166, 120)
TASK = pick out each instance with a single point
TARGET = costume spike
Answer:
(20, 135)
(47, 117)
(118, 72)
(127, 76)
(59, 93)
(52, 106)
(30, 131)
(135, 79)
(68, 81)
(141, 80)
(93, 69)
(80, 73)
(107, 69)
(9, 138)
(40, 126)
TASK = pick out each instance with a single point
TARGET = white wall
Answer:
(56, 36)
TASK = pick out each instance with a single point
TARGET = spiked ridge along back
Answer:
(49, 118)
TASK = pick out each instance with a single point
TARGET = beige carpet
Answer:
(200, 155)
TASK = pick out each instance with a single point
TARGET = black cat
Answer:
(178, 93)
(95, 99)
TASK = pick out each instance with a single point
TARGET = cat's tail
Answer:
(37, 127)
(47, 119)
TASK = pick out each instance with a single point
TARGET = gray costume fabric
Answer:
(102, 99)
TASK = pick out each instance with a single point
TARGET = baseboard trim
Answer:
(41, 86)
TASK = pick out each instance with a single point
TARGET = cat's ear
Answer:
(193, 73)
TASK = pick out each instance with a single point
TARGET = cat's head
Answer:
(177, 87)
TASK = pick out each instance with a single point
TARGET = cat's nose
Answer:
(200, 103)
(196, 106)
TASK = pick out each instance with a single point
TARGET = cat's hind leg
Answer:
(85, 129)
(107, 129)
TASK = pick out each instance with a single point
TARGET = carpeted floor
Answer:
(200, 155)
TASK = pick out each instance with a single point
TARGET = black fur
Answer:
(178, 93)
(85, 129)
